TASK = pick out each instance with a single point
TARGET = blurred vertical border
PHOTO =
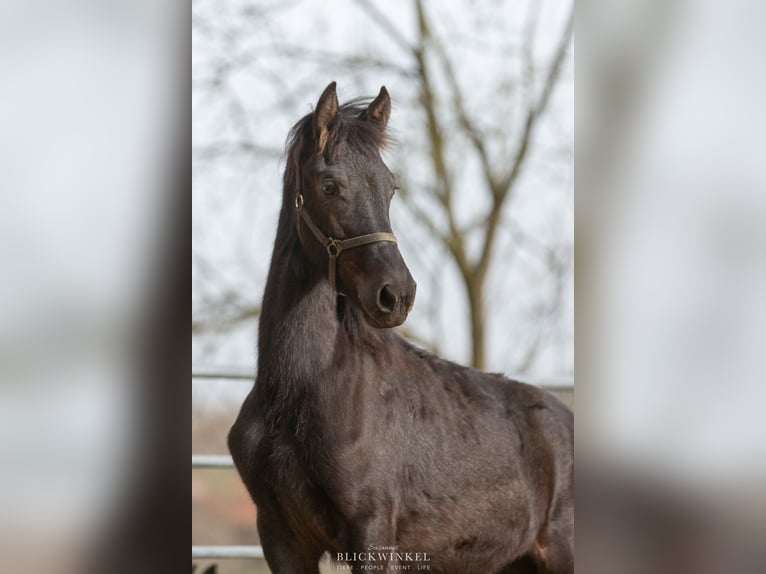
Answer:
(670, 218)
(94, 235)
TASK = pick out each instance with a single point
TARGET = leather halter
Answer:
(335, 247)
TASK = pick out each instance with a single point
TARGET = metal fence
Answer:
(223, 461)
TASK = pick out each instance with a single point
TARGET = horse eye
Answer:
(329, 187)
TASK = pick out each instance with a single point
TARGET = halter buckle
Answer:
(298, 201)
(333, 247)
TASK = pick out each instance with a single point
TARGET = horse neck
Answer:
(300, 324)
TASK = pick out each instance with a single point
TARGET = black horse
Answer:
(357, 443)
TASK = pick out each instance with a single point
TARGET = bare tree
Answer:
(498, 178)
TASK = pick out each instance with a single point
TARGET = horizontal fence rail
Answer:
(212, 461)
(217, 552)
(224, 461)
(222, 372)
(200, 371)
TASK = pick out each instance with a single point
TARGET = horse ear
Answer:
(380, 108)
(324, 115)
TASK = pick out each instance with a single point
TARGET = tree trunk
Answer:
(475, 289)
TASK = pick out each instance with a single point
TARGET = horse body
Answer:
(352, 440)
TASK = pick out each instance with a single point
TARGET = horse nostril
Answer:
(386, 299)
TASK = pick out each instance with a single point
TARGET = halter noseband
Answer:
(334, 246)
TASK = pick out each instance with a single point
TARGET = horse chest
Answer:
(285, 478)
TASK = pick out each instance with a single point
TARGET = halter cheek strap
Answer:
(335, 247)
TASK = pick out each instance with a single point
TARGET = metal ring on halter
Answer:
(333, 247)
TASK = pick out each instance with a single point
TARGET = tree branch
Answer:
(385, 24)
(225, 323)
(507, 184)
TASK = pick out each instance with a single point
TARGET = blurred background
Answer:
(671, 277)
(88, 123)
(483, 119)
